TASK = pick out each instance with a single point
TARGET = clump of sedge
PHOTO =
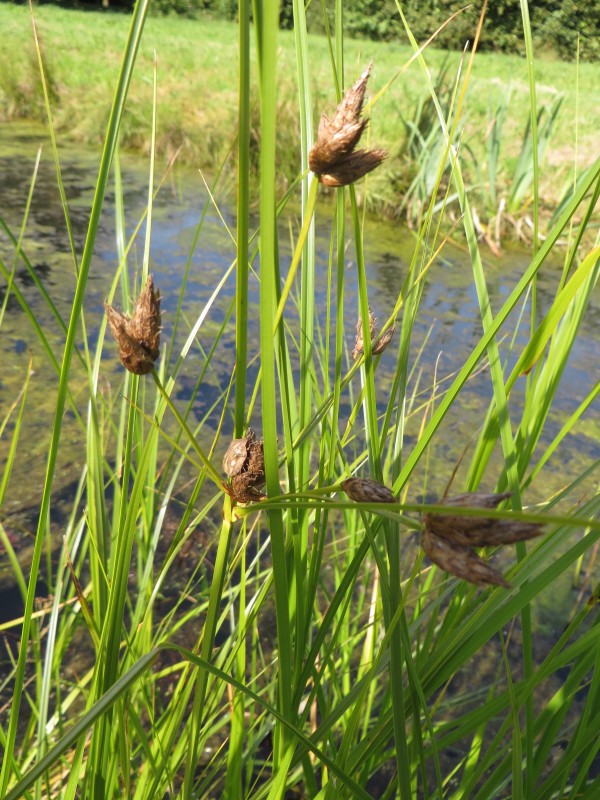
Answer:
(334, 158)
(367, 490)
(378, 344)
(138, 336)
(244, 465)
(448, 538)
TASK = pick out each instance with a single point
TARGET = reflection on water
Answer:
(447, 328)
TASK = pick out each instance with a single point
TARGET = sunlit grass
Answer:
(198, 96)
(321, 652)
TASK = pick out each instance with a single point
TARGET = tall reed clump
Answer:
(323, 654)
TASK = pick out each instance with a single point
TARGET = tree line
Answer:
(558, 25)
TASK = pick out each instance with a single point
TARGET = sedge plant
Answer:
(310, 646)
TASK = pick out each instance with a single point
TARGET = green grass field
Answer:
(198, 84)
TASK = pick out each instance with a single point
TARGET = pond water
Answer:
(447, 329)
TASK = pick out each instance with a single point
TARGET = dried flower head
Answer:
(448, 538)
(246, 489)
(145, 320)
(138, 336)
(460, 561)
(474, 531)
(244, 464)
(366, 490)
(333, 157)
(352, 168)
(378, 344)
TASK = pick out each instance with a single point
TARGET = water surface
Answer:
(447, 329)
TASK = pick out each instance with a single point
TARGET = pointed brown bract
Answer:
(480, 531)
(352, 168)
(378, 344)
(145, 320)
(138, 337)
(333, 157)
(448, 538)
(460, 561)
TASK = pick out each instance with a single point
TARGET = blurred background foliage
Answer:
(556, 24)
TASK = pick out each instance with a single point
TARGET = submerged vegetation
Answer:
(312, 647)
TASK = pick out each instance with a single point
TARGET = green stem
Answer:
(110, 141)
(243, 220)
(311, 202)
(211, 471)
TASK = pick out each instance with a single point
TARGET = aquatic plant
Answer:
(281, 631)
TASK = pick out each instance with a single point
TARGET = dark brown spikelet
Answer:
(448, 538)
(245, 489)
(138, 337)
(337, 137)
(333, 157)
(145, 320)
(366, 490)
(460, 561)
(378, 344)
(244, 464)
(352, 168)
(480, 531)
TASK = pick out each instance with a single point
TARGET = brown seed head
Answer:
(338, 136)
(244, 463)
(448, 538)
(145, 320)
(245, 488)
(366, 490)
(256, 458)
(460, 561)
(138, 337)
(352, 168)
(333, 157)
(378, 344)
(348, 112)
(334, 145)
(479, 531)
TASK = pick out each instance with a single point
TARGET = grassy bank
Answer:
(298, 620)
(198, 108)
